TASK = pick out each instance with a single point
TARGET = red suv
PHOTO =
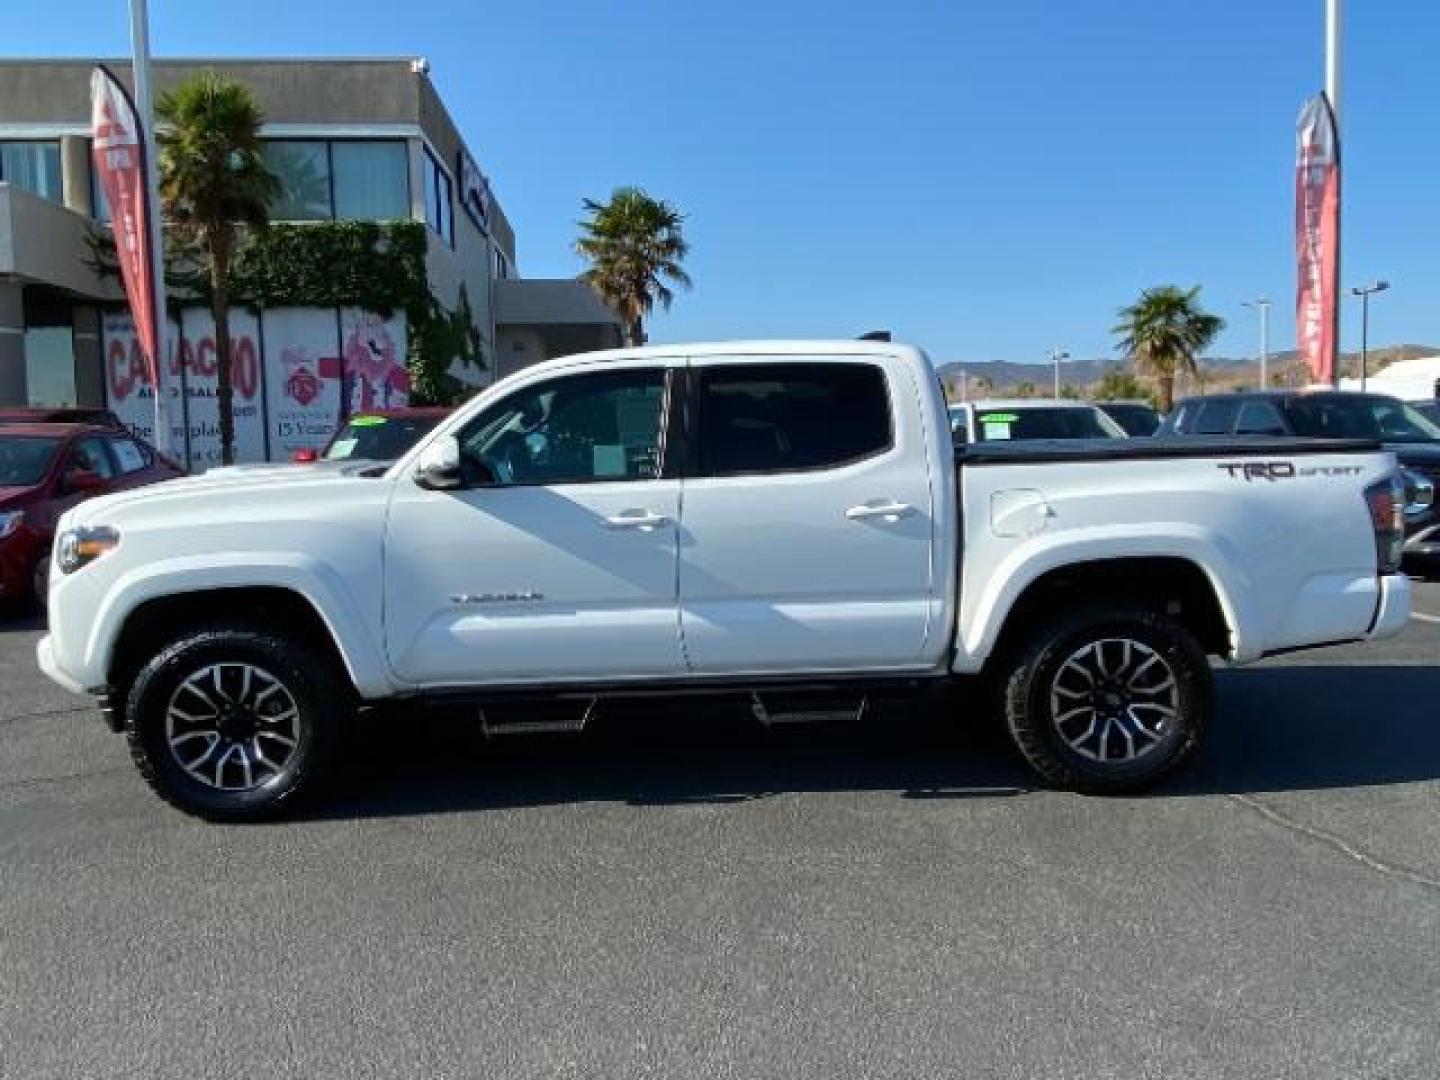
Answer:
(44, 470)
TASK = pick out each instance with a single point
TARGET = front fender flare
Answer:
(310, 578)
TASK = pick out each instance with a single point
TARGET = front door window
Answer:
(576, 430)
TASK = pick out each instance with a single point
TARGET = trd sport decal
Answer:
(1250, 471)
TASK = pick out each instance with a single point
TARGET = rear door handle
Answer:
(890, 510)
(637, 519)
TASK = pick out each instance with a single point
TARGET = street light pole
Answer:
(1056, 355)
(1364, 291)
(144, 105)
(1262, 305)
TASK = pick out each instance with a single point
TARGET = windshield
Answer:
(25, 459)
(1354, 416)
(1135, 419)
(378, 438)
(1045, 422)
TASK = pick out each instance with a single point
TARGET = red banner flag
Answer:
(118, 153)
(1317, 237)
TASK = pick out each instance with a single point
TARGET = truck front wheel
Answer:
(234, 723)
(1108, 701)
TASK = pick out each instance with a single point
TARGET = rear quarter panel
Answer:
(1291, 560)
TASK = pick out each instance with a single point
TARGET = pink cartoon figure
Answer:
(374, 376)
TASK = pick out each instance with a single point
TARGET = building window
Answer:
(32, 166)
(303, 169)
(501, 271)
(49, 347)
(371, 180)
(439, 200)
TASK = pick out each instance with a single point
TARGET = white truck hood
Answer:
(236, 486)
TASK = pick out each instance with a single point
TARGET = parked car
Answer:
(1008, 419)
(1138, 418)
(382, 435)
(45, 469)
(1402, 429)
(63, 414)
(783, 523)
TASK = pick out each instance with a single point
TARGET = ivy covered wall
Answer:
(377, 266)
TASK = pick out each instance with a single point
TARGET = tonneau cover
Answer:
(1038, 451)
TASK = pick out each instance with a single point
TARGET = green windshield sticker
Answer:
(367, 421)
(998, 418)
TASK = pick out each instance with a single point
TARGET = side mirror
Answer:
(439, 466)
(307, 456)
(83, 482)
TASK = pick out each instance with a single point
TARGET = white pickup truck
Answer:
(788, 523)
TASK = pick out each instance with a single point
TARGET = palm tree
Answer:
(214, 184)
(635, 247)
(1163, 332)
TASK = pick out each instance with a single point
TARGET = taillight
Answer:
(1386, 500)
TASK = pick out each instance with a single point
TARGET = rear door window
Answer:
(776, 418)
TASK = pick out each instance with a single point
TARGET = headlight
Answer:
(1419, 492)
(78, 547)
(10, 521)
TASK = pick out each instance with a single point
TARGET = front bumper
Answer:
(45, 656)
(1393, 612)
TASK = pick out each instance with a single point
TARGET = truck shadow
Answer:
(1279, 729)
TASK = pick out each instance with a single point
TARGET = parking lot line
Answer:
(1425, 618)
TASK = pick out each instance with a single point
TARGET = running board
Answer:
(773, 710)
(537, 719)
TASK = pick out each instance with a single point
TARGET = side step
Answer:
(780, 708)
(535, 718)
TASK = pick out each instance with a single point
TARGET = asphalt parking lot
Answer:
(660, 898)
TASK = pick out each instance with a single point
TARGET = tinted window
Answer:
(377, 438)
(33, 166)
(1135, 419)
(371, 180)
(1358, 416)
(765, 418)
(579, 429)
(303, 169)
(1216, 417)
(438, 201)
(25, 459)
(1050, 422)
(1259, 418)
(130, 456)
(90, 455)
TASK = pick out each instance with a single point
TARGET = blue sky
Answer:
(986, 179)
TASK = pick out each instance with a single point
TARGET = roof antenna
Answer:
(875, 335)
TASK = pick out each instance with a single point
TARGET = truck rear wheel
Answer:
(1108, 701)
(234, 723)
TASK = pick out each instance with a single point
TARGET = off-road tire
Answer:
(1027, 676)
(310, 677)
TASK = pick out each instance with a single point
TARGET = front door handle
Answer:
(636, 519)
(889, 509)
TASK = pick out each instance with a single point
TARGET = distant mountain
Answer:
(1219, 372)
